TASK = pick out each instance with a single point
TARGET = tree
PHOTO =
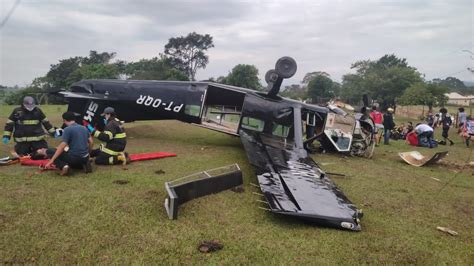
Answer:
(295, 91)
(384, 80)
(59, 73)
(188, 53)
(98, 58)
(429, 94)
(16, 97)
(452, 83)
(242, 75)
(320, 89)
(94, 71)
(67, 71)
(154, 69)
(309, 76)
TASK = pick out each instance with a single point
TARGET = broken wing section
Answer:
(298, 187)
(292, 183)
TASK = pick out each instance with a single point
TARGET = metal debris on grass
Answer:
(210, 246)
(447, 230)
(417, 159)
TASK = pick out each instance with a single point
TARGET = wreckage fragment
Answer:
(417, 159)
(200, 184)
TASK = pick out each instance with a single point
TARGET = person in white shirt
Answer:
(424, 131)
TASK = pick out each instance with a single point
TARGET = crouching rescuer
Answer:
(26, 125)
(115, 140)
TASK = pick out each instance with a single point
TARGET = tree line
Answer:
(390, 80)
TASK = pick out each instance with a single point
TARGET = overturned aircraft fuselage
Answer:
(273, 131)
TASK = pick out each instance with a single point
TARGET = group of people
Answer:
(25, 125)
(422, 133)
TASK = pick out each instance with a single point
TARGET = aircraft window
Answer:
(280, 130)
(310, 119)
(252, 123)
(192, 110)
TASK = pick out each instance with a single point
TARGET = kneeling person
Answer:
(77, 138)
(115, 140)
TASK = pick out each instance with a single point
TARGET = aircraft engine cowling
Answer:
(285, 67)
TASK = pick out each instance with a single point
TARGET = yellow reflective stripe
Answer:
(96, 133)
(120, 136)
(7, 133)
(108, 151)
(28, 122)
(111, 136)
(44, 120)
(111, 160)
(51, 130)
(29, 139)
(10, 121)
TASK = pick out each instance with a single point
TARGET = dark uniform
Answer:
(27, 128)
(115, 138)
(445, 122)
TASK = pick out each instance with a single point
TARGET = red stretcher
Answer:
(133, 158)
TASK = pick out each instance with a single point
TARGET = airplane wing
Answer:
(294, 185)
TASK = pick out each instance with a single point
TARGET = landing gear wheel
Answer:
(286, 67)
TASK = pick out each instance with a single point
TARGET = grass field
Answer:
(49, 219)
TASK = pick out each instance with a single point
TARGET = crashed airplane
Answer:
(274, 131)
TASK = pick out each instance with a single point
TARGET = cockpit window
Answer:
(252, 123)
(280, 130)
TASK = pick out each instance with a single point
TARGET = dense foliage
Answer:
(242, 75)
(188, 53)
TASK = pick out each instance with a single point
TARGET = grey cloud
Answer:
(321, 35)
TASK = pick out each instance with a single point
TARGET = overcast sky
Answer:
(320, 35)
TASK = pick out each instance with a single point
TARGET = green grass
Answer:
(49, 219)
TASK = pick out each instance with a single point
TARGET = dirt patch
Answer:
(151, 195)
(465, 208)
(121, 182)
(210, 246)
(456, 165)
(3, 219)
(159, 172)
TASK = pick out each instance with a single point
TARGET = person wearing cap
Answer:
(388, 125)
(114, 137)
(73, 151)
(26, 124)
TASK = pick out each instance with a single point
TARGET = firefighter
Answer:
(26, 124)
(115, 138)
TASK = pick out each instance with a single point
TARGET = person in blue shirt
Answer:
(78, 142)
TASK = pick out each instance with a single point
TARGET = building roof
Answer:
(455, 95)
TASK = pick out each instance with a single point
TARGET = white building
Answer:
(471, 97)
(455, 98)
